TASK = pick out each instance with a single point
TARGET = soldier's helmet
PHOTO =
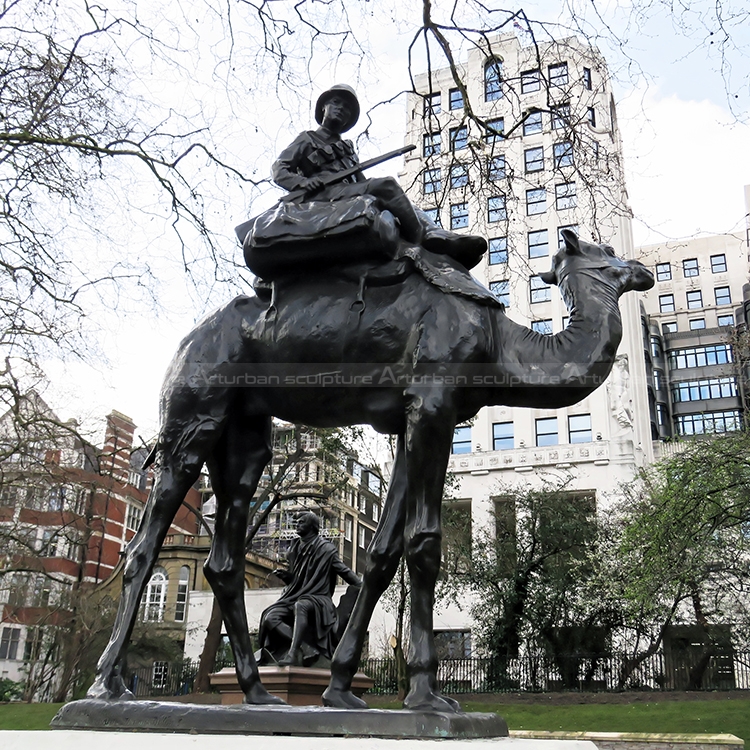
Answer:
(345, 92)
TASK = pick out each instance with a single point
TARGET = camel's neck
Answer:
(534, 369)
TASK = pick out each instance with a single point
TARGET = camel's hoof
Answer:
(259, 696)
(451, 702)
(115, 691)
(431, 702)
(335, 698)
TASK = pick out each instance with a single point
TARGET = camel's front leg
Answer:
(429, 434)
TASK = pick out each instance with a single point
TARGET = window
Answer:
(718, 263)
(560, 241)
(56, 498)
(361, 537)
(591, 116)
(666, 303)
(663, 271)
(702, 390)
(455, 99)
(536, 201)
(694, 299)
(690, 267)
(696, 324)
(533, 159)
(133, 517)
(587, 79)
(9, 643)
(661, 414)
(718, 421)
(496, 208)
(461, 440)
(493, 80)
(376, 512)
(558, 74)
(50, 540)
(542, 326)
(155, 596)
(560, 116)
(669, 327)
(656, 351)
(700, 356)
(348, 528)
(533, 124)
(362, 502)
(725, 320)
(546, 431)
(658, 379)
(432, 104)
(498, 250)
(433, 182)
(562, 155)
(494, 132)
(723, 295)
(433, 214)
(579, 428)
(459, 215)
(540, 292)
(501, 290)
(459, 138)
(431, 144)
(531, 81)
(375, 484)
(496, 168)
(538, 244)
(565, 196)
(459, 176)
(159, 674)
(182, 594)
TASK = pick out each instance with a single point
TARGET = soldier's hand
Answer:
(313, 184)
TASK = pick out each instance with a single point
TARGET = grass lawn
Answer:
(730, 716)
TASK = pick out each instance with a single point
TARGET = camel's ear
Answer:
(571, 241)
(548, 277)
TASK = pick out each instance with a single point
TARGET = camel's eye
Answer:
(609, 250)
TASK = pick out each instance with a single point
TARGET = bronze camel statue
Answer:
(414, 362)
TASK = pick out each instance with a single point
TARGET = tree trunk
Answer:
(207, 663)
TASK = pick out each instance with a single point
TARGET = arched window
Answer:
(493, 79)
(155, 596)
(182, 594)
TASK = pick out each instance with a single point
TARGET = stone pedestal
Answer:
(298, 686)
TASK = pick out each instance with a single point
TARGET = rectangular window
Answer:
(666, 303)
(180, 607)
(696, 324)
(361, 537)
(433, 214)
(531, 81)
(542, 326)
(723, 295)
(459, 176)
(540, 292)
(700, 356)
(591, 116)
(663, 271)
(533, 159)
(690, 267)
(536, 201)
(587, 79)
(433, 182)
(560, 116)
(431, 144)
(533, 124)
(133, 517)
(494, 132)
(496, 209)
(669, 327)
(362, 502)
(496, 168)
(376, 512)
(579, 428)
(562, 155)
(718, 263)
(694, 299)
(538, 244)
(461, 440)
(558, 74)
(702, 390)
(459, 138)
(502, 436)
(432, 104)
(459, 215)
(546, 431)
(718, 421)
(498, 250)
(661, 414)
(493, 80)
(725, 320)
(501, 290)
(560, 241)
(455, 99)
(9, 643)
(565, 196)
(348, 528)
(656, 350)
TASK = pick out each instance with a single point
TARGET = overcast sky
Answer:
(687, 158)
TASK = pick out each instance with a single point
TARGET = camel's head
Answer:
(595, 262)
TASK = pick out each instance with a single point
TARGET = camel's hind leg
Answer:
(235, 468)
